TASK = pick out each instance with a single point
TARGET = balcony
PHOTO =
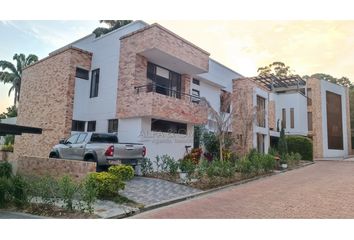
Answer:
(157, 101)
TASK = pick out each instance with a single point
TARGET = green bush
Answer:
(19, 191)
(171, 164)
(245, 166)
(293, 159)
(9, 140)
(108, 184)
(301, 145)
(7, 148)
(187, 166)
(219, 168)
(5, 191)
(5, 169)
(202, 168)
(211, 143)
(47, 188)
(67, 188)
(123, 172)
(146, 166)
(89, 192)
(268, 162)
(273, 151)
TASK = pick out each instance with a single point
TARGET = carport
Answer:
(12, 129)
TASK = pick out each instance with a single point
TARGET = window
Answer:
(72, 139)
(104, 138)
(91, 126)
(113, 125)
(225, 101)
(309, 97)
(292, 120)
(166, 81)
(260, 111)
(95, 78)
(196, 81)
(334, 120)
(309, 121)
(196, 96)
(168, 127)
(283, 122)
(82, 73)
(81, 138)
(78, 126)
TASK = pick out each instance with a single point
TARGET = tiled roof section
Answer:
(272, 81)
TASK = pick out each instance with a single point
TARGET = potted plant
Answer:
(283, 163)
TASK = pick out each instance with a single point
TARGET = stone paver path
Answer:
(322, 190)
(150, 191)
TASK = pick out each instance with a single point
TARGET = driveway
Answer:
(322, 190)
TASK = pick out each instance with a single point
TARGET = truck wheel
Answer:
(53, 155)
(90, 158)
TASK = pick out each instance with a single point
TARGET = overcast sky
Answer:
(306, 46)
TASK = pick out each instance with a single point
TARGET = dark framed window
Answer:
(261, 111)
(309, 121)
(334, 120)
(166, 81)
(91, 126)
(95, 79)
(113, 125)
(283, 121)
(309, 97)
(196, 96)
(196, 81)
(292, 118)
(82, 73)
(104, 138)
(78, 126)
(158, 125)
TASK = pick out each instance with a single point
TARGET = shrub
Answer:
(7, 148)
(301, 145)
(9, 140)
(187, 166)
(202, 168)
(211, 143)
(89, 192)
(268, 162)
(256, 160)
(171, 164)
(146, 166)
(273, 151)
(293, 159)
(245, 166)
(67, 188)
(19, 191)
(47, 188)
(5, 169)
(108, 184)
(123, 172)
(5, 191)
(219, 168)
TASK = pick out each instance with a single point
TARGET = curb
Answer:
(191, 196)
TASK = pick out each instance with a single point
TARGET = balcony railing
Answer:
(152, 87)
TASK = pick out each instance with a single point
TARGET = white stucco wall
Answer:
(327, 86)
(105, 51)
(299, 103)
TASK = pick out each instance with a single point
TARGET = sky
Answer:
(308, 47)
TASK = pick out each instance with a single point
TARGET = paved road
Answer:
(322, 190)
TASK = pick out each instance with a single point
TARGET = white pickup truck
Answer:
(102, 148)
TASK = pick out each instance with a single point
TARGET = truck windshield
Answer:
(104, 138)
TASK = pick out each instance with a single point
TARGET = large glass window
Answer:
(91, 126)
(196, 96)
(78, 126)
(260, 111)
(95, 79)
(166, 81)
(158, 125)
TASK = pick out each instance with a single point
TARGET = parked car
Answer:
(102, 148)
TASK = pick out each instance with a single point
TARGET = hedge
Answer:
(302, 145)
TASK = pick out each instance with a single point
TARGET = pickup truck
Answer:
(102, 148)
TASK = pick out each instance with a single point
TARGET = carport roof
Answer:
(13, 129)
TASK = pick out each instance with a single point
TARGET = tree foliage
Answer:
(112, 25)
(278, 69)
(343, 81)
(12, 74)
(10, 112)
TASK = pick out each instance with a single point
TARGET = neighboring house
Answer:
(8, 121)
(315, 108)
(142, 81)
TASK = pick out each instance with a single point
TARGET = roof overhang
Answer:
(12, 129)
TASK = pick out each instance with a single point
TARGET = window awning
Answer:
(12, 129)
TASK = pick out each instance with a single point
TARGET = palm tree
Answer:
(13, 74)
(113, 25)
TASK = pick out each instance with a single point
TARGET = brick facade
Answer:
(133, 70)
(46, 100)
(271, 115)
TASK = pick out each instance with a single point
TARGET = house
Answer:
(314, 108)
(11, 120)
(142, 81)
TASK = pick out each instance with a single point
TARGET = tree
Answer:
(113, 25)
(11, 112)
(343, 81)
(13, 74)
(278, 69)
